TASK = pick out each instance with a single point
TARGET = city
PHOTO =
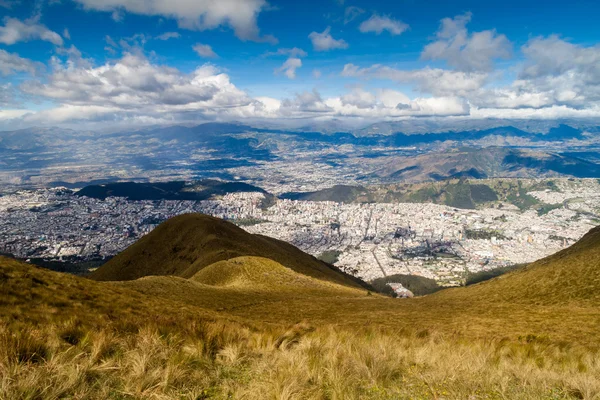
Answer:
(368, 240)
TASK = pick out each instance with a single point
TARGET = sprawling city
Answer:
(368, 240)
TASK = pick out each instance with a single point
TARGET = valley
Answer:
(442, 230)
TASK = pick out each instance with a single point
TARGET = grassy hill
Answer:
(251, 327)
(186, 244)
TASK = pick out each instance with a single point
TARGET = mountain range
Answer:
(56, 156)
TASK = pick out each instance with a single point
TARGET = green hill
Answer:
(184, 245)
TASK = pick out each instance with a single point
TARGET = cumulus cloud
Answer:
(11, 63)
(387, 103)
(289, 67)
(428, 80)
(305, 103)
(324, 41)
(553, 56)
(555, 73)
(467, 51)
(204, 50)
(168, 35)
(15, 30)
(134, 86)
(379, 23)
(201, 15)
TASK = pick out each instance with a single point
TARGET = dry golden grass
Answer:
(249, 328)
(218, 361)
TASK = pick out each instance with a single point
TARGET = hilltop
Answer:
(184, 245)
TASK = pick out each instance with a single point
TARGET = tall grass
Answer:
(215, 360)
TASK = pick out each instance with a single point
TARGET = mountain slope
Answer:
(569, 276)
(186, 244)
(486, 162)
(175, 190)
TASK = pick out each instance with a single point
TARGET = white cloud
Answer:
(391, 98)
(66, 34)
(290, 52)
(134, 86)
(289, 67)
(317, 73)
(553, 56)
(168, 35)
(428, 80)
(386, 103)
(380, 23)
(467, 51)
(324, 41)
(11, 63)
(241, 16)
(554, 73)
(359, 98)
(304, 104)
(12, 114)
(204, 50)
(351, 13)
(15, 31)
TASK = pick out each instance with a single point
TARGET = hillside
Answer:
(251, 327)
(571, 276)
(481, 163)
(460, 193)
(338, 193)
(176, 190)
(184, 245)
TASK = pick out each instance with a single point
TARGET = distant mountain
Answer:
(186, 244)
(489, 162)
(338, 193)
(176, 190)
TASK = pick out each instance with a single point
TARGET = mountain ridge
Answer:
(184, 245)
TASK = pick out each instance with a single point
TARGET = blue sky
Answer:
(111, 62)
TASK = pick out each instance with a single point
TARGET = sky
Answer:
(113, 63)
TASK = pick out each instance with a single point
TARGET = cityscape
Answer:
(367, 240)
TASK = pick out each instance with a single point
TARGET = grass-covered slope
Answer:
(186, 244)
(250, 328)
(259, 273)
(571, 276)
